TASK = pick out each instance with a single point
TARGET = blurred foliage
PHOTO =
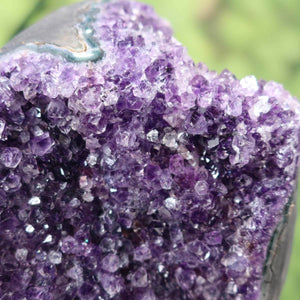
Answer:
(260, 37)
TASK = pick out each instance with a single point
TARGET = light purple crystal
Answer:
(140, 175)
(140, 278)
(10, 157)
(185, 278)
(142, 253)
(110, 263)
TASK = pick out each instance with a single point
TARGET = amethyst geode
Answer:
(129, 172)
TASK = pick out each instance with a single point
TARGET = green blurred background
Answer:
(260, 37)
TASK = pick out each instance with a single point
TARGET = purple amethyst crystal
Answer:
(129, 172)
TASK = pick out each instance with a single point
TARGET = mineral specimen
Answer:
(129, 172)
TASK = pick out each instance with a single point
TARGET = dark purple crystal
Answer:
(139, 175)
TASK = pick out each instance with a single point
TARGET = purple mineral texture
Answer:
(138, 174)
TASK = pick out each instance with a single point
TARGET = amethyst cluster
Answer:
(139, 175)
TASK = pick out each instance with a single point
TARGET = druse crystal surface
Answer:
(141, 175)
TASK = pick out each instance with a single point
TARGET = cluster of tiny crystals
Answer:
(142, 175)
